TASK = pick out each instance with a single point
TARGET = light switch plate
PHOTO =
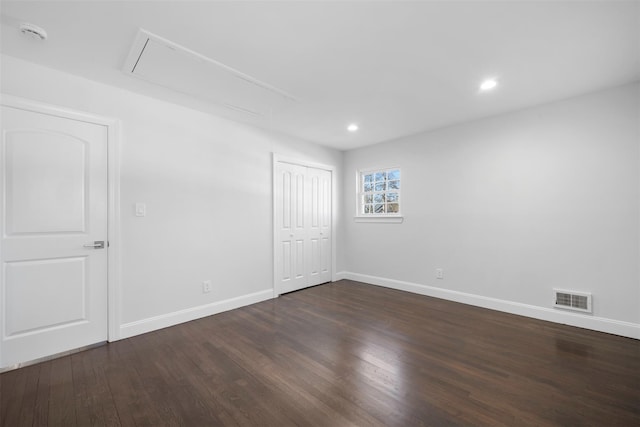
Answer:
(141, 209)
(206, 286)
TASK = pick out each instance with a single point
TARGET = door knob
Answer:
(98, 244)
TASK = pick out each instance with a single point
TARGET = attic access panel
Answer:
(162, 62)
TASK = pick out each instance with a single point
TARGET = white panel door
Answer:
(290, 226)
(319, 229)
(302, 227)
(53, 283)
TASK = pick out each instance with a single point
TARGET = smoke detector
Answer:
(33, 31)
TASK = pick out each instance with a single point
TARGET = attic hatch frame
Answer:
(141, 44)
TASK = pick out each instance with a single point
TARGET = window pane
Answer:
(379, 192)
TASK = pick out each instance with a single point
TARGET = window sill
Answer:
(383, 219)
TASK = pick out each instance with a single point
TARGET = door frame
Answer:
(113, 196)
(277, 158)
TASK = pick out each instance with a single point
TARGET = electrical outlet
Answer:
(439, 273)
(206, 286)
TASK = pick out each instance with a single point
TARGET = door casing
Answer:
(113, 196)
(277, 158)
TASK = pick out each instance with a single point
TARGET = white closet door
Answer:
(291, 228)
(53, 174)
(302, 227)
(319, 230)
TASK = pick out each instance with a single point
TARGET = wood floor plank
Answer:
(13, 388)
(132, 399)
(340, 354)
(88, 399)
(32, 374)
(62, 409)
(41, 406)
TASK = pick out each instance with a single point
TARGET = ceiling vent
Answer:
(162, 62)
(572, 300)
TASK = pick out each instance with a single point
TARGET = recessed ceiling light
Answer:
(488, 84)
(352, 127)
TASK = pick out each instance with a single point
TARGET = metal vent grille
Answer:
(572, 300)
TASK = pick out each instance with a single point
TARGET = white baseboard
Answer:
(341, 275)
(170, 319)
(625, 329)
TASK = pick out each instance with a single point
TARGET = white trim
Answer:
(395, 217)
(115, 261)
(388, 219)
(274, 214)
(611, 326)
(334, 219)
(181, 316)
(113, 198)
(277, 158)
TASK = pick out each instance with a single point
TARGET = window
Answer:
(379, 192)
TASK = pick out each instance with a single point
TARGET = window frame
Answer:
(360, 193)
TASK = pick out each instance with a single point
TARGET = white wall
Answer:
(207, 185)
(509, 206)
(513, 206)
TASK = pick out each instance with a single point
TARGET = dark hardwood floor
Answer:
(335, 355)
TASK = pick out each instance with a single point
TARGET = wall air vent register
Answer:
(573, 300)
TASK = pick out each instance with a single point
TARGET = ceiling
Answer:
(395, 68)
